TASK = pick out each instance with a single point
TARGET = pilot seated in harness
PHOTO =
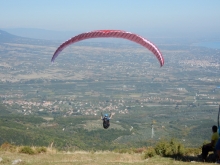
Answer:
(106, 120)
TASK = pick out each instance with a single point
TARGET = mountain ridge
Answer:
(6, 37)
(42, 33)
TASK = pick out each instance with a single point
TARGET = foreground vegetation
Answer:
(165, 152)
(81, 132)
(82, 158)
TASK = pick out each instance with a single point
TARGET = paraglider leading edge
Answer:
(113, 34)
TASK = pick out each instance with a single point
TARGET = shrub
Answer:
(41, 149)
(8, 147)
(192, 151)
(150, 152)
(27, 150)
(169, 148)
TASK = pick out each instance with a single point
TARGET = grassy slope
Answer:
(89, 158)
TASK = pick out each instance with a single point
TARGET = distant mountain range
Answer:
(42, 33)
(61, 36)
(6, 37)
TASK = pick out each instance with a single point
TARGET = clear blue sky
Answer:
(161, 17)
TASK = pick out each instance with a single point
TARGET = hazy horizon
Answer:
(198, 19)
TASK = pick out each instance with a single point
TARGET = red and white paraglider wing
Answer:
(114, 34)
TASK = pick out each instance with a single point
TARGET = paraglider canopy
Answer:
(115, 34)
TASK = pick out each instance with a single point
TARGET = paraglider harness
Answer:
(106, 122)
(106, 119)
